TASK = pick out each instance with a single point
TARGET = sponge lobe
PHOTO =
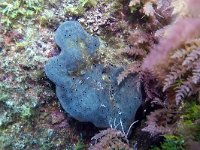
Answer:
(90, 93)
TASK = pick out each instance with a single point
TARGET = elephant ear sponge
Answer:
(87, 91)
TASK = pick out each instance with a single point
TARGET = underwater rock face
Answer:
(89, 91)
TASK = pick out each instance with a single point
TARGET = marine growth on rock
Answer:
(87, 89)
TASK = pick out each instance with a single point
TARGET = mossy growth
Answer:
(88, 3)
(188, 130)
(171, 142)
(134, 8)
(80, 145)
(26, 112)
(17, 11)
(3, 93)
(81, 7)
(191, 112)
(190, 127)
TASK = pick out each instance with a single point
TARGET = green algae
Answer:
(188, 130)
(80, 145)
(171, 142)
(15, 11)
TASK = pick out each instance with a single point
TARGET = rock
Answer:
(57, 117)
(192, 145)
(88, 91)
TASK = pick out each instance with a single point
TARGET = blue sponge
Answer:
(89, 91)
